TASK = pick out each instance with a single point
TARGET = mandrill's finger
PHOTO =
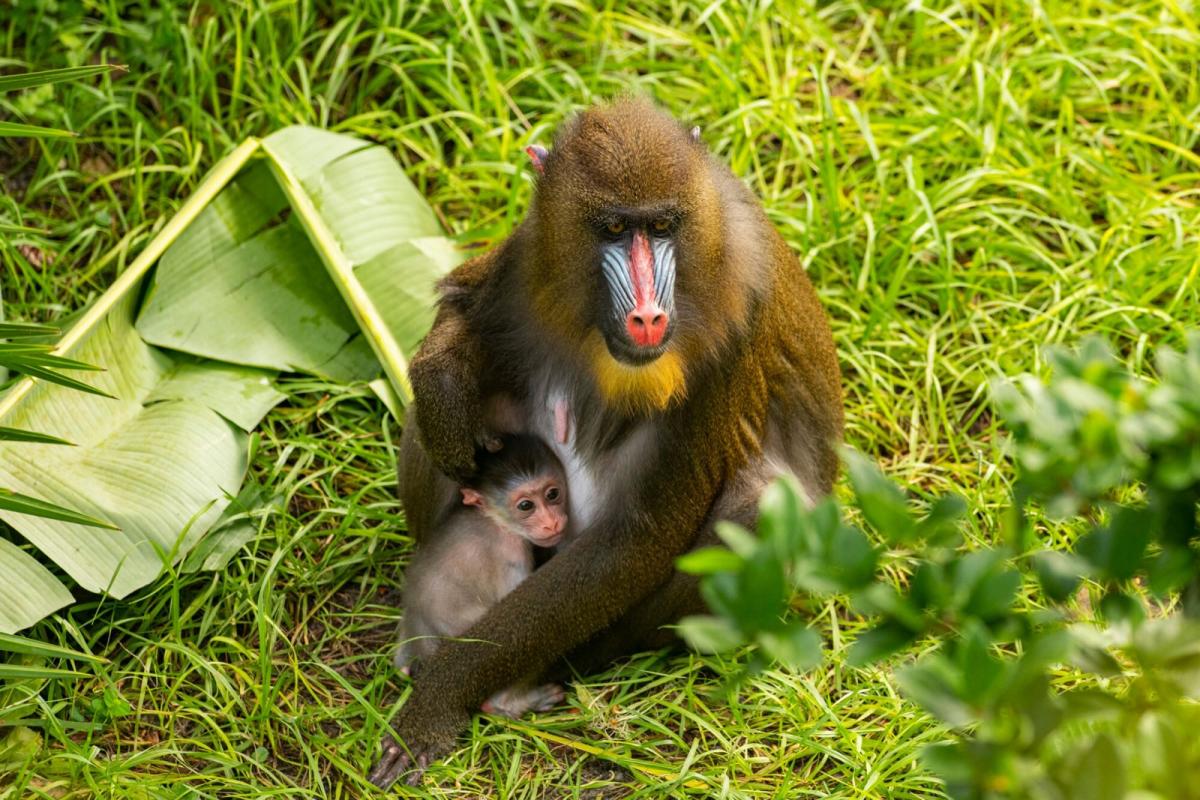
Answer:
(385, 775)
(392, 762)
(414, 777)
(493, 444)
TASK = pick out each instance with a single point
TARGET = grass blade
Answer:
(24, 504)
(19, 330)
(40, 355)
(19, 435)
(62, 380)
(34, 131)
(25, 672)
(44, 77)
(19, 644)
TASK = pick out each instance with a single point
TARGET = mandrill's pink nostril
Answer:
(647, 327)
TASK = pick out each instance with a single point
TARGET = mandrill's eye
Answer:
(525, 506)
(662, 225)
(615, 228)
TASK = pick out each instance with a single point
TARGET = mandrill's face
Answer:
(635, 256)
(630, 254)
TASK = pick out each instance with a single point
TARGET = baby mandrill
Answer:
(483, 550)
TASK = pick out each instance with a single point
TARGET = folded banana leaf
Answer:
(306, 251)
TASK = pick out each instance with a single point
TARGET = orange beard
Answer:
(635, 389)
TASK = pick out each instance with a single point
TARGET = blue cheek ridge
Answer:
(664, 272)
(615, 265)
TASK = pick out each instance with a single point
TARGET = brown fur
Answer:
(761, 391)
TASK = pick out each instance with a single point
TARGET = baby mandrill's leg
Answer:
(514, 701)
(417, 641)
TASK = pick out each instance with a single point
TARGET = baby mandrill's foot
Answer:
(516, 701)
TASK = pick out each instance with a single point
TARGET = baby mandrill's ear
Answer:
(537, 156)
(471, 497)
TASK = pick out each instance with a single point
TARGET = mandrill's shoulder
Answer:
(465, 279)
(473, 283)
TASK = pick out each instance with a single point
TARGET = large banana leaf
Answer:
(241, 259)
(20, 351)
(327, 243)
(307, 251)
(368, 228)
(157, 459)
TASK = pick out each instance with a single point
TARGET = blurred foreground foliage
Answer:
(1060, 675)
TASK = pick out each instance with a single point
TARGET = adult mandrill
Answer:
(647, 297)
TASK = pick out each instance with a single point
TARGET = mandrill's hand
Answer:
(451, 434)
(422, 740)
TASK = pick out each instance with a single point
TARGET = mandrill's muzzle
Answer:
(640, 274)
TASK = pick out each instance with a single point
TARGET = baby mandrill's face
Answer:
(538, 510)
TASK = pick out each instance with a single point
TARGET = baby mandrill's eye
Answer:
(525, 505)
(552, 493)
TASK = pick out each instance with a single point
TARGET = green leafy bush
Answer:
(1045, 694)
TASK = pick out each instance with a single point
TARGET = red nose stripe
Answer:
(647, 322)
(641, 270)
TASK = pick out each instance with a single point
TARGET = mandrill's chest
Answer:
(596, 472)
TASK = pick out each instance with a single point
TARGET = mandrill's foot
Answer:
(420, 743)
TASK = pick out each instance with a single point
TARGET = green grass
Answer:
(966, 182)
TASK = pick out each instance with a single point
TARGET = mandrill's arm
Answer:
(446, 394)
(445, 374)
(574, 596)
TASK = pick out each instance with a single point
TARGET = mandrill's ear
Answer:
(537, 156)
(471, 497)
